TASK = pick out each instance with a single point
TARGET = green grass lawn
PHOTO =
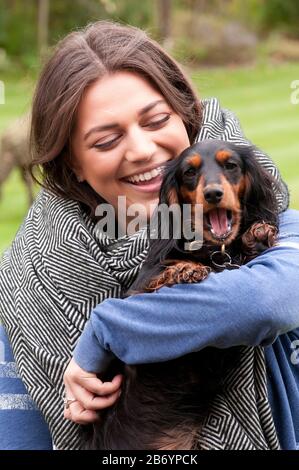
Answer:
(259, 96)
(261, 99)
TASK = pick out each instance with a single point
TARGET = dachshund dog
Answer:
(163, 405)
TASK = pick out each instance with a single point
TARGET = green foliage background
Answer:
(259, 92)
(18, 20)
(260, 97)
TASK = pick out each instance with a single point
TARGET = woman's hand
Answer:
(87, 394)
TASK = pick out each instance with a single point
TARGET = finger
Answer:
(99, 388)
(67, 413)
(118, 379)
(91, 383)
(107, 388)
(76, 413)
(109, 400)
(106, 401)
(108, 393)
(88, 400)
(93, 402)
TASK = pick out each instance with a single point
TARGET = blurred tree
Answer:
(27, 26)
(43, 26)
(268, 15)
(282, 14)
(68, 15)
(18, 31)
(135, 12)
(164, 19)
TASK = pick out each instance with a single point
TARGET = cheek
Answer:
(231, 197)
(179, 135)
(99, 169)
(240, 187)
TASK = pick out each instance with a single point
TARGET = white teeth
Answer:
(145, 176)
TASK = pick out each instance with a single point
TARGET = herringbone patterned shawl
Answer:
(59, 268)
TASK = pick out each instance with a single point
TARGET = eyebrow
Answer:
(114, 125)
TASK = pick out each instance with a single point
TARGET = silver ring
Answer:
(67, 401)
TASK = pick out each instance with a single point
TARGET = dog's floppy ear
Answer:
(259, 201)
(159, 247)
(169, 192)
(169, 195)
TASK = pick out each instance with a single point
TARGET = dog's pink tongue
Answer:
(218, 221)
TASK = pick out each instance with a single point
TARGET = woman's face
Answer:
(125, 131)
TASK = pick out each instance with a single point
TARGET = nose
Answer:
(140, 146)
(213, 194)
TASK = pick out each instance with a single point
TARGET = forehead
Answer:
(210, 153)
(113, 96)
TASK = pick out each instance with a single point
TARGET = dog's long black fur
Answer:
(163, 405)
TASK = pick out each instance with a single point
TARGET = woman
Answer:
(110, 108)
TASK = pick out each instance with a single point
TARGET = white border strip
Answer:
(12, 401)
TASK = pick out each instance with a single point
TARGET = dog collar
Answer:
(222, 260)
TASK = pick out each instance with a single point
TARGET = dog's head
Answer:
(227, 180)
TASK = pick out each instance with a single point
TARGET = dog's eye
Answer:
(230, 165)
(190, 172)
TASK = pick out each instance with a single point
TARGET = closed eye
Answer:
(157, 120)
(108, 143)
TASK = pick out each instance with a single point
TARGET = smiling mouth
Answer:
(219, 222)
(147, 177)
(152, 180)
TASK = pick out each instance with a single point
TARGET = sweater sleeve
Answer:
(249, 306)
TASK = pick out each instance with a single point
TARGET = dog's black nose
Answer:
(213, 195)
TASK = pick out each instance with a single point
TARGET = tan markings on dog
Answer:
(196, 196)
(247, 183)
(199, 197)
(173, 197)
(240, 187)
(187, 195)
(223, 155)
(194, 160)
(258, 233)
(230, 197)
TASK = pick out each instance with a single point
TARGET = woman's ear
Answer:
(73, 163)
(80, 178)
(76, 169)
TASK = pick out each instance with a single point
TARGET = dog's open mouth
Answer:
(219, 223)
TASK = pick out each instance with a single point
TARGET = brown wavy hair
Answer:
(80, 59)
